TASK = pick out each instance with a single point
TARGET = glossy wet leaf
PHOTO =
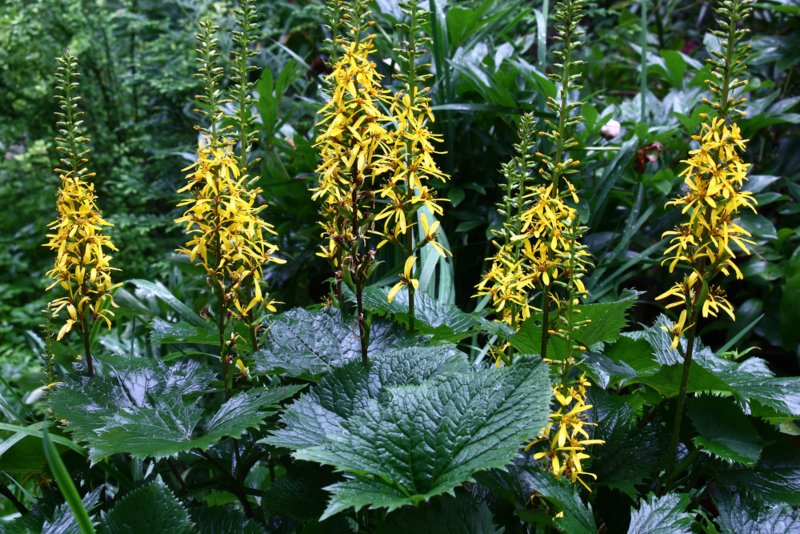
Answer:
(143, 407)
(662, 515)
(306, 344)
(407, 429)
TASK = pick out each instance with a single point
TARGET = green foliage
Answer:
(308, 344)
(148, 409)
(661, 515)
(151, 508)
(406, 436)
(427, 429)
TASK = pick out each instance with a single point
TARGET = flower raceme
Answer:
(82, 265)
(566, 434)
(714, 176)
(228, 237)
(353, 132)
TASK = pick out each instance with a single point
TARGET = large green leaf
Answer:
(444, 321)
(750, 382)
(662, 515)
(606, 321)
(632, 451)
(306, 344)
(725, 432)
(450, 515)
(737, 515)
(776, 476)
(153, 509)
(315, 415)
(145, 408)
(414, 424)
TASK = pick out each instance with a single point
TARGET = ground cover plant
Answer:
(471, 266)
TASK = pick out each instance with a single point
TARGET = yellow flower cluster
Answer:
(566, 433)
(353, 133)
(410, 161)
(228, 235)
(714, 176)
(82, 265)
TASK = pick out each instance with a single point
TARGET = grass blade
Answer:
(66, 486)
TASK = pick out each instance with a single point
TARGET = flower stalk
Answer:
(409, 159)
(227, 235)
(82, 265)
(715, 173)
(352, 138)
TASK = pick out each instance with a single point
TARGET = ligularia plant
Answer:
(353, 137)
(706, 243)
(82, 265)
(540, 249)
(228, 237)
(409, 160)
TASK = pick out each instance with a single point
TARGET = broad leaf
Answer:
(662, 515)
(414, 424)
(776, 476)
(607, 320)
(145, 408)
(632, 452)
(153, 509)
(737, 515)
(750, 382)
(316, 415)
(306, 344)
(444, 321)
(725, 432)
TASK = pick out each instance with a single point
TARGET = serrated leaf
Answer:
(754, 386)
(315, 415)
(143, 407)
(662, 515)
(632, 452)
(306, 344)
(428, 439)
(451, 515)
(63, 521)
(223, 520)
(725, 432)
(737, 515)
(776, 476)
(414, 424)
(607, 320)
(153, 509)
(443, 321)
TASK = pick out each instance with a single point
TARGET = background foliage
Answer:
(136, 57)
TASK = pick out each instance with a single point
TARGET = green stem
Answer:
(545, 321)
(643, 77)
(672, 451)
(87, 349)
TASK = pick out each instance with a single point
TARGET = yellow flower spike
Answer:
(82, 265)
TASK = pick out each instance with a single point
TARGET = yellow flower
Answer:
(406, 279)
(82, 266)
(228, 236)
(714, 176)
(566, 436)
